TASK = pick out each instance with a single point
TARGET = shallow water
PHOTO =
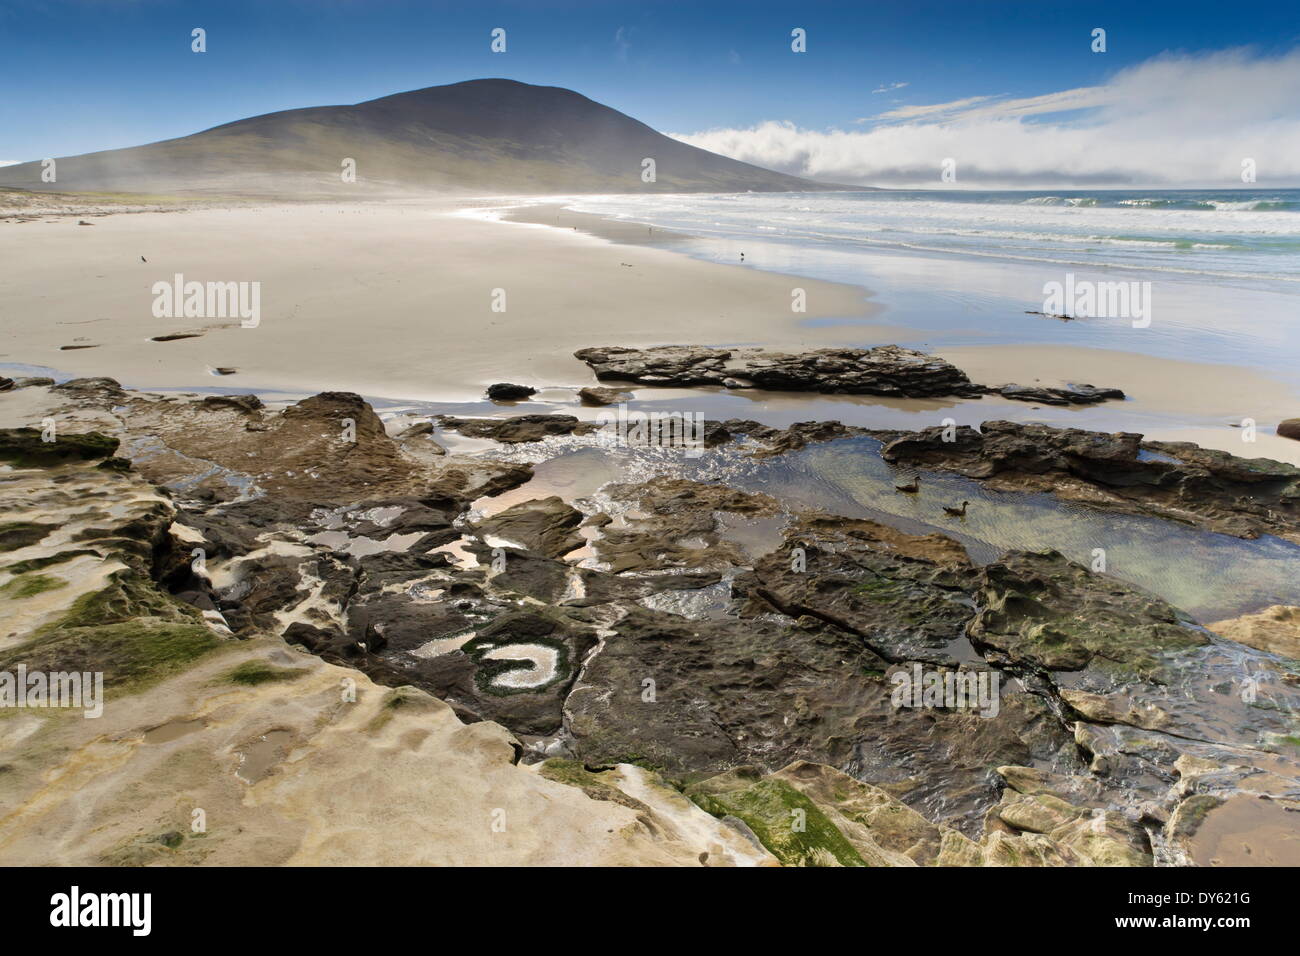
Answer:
(259, 757)
(1211, 576)
(962, 267)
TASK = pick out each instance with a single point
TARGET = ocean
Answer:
(1226, 234)
(965, 267)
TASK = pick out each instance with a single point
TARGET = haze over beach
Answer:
(651, 434)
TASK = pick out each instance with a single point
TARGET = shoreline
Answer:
(1155, 385)
(634, 290)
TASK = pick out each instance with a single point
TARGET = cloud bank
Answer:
(1176, 120)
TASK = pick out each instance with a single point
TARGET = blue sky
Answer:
(81, 75)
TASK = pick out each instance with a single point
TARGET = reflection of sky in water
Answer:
(963, 269)
(1211, 576)
(952, 300)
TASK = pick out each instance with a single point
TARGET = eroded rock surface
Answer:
(889, 370)
(884, 370)
(707, 661)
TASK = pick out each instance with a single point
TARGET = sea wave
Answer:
(1061, 201)
(1227, 234)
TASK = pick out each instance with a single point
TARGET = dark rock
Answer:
(506, 392)
(680, 365)
(521, 428)
(243, 403)
(726, 693)
(1216, 490)
(778, 441)
(1065, 395)
(595, 395)
(199, 599)
(24, 447)
(90, 386)
(21, 534)
(904, 607)
(884, 370)
(1289, 428)
(545, 525)
(1046, 612)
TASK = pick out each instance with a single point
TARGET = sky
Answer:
(1013, 92)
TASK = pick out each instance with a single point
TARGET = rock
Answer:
(883, 370)
(24, 447)
(1275, 629)
(808, 814)
(1047, 612)
(666, 365)
(1289, 428)
(720, 643)
(521, 428)
(243, 403)
(679, 528)
(594, 395)
(544, 525)
(1216, 490)
(1066, 395)
(506, 392)
(904, 608)
(6, 383)
(790, 825)
(776, 441)
(417, 429)
(761, 692)
(90, 386)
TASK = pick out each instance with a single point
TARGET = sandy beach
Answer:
(410, 286)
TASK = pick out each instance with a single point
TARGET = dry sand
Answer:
(389, 300)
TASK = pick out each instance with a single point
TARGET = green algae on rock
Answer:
(29, 585)
(791, 826)
(252, 673)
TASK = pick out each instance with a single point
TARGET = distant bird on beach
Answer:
(957, 512)
(912, 487)
(143, 259)
(742, 257)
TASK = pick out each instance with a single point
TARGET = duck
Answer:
(912, 487)
(956, 512)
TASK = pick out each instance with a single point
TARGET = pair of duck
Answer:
(913, 486)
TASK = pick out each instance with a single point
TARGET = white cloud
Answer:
(1173, 120)
(10, 162)
(991, 107)
(889, 87)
